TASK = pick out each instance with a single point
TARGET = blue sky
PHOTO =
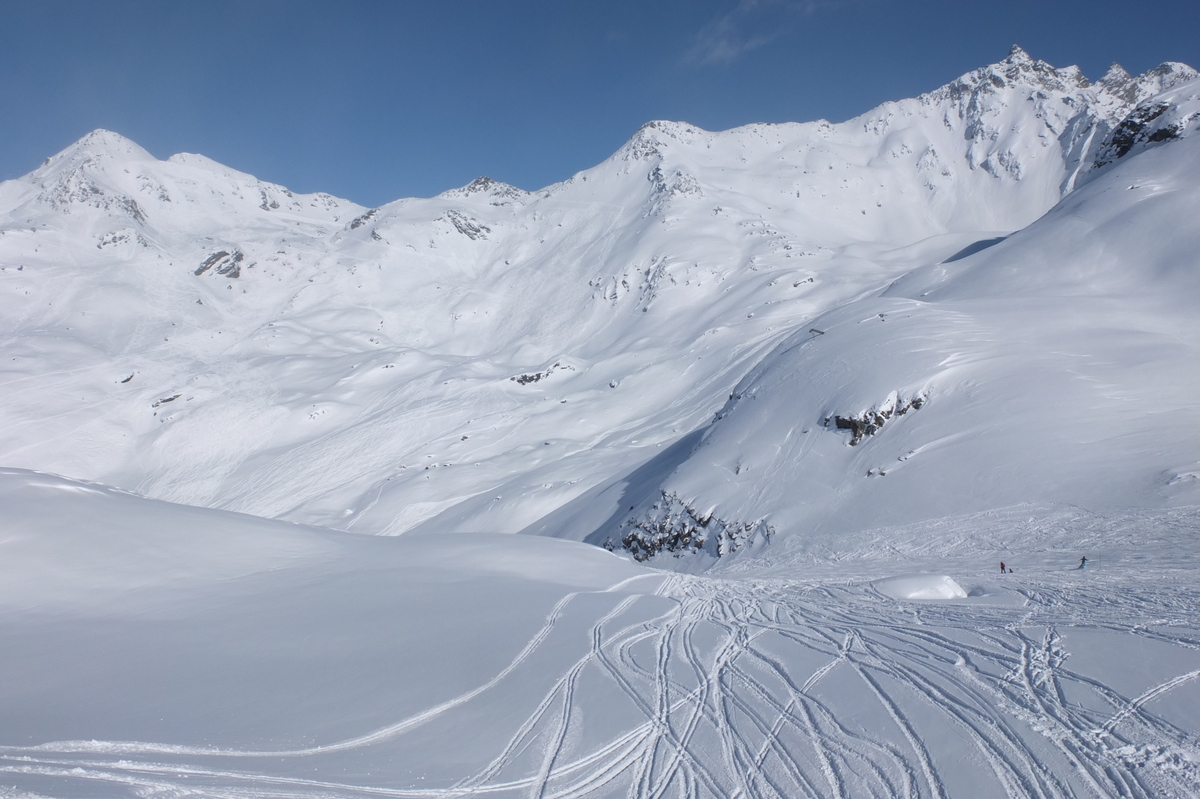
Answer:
(379, 100)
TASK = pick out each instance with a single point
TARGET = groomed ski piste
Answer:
(691, 476)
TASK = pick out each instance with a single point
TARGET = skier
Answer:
(1002, 567)
(1082, 561)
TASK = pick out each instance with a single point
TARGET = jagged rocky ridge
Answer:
(1168, 116)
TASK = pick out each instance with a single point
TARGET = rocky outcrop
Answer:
(534, 377)
(359, 221)
(1152, 123)
(471, 228)
(224, 263)
(671, 525)
(870, 422)
(497, 192)
(76, 187)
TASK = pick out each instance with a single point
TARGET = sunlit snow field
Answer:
(689, 476)
(177, 651)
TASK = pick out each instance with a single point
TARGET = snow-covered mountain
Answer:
(481, 359)
(822, 378)
(1044, 368)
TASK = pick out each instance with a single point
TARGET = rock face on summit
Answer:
(699, 309)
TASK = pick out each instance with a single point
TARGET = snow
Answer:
(271, 659)
(355, 347)
(810, 383)
(1045, 367)
(921, 586)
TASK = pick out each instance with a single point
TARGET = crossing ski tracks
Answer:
(741, 684)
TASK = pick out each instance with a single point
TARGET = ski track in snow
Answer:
(733, 702)
(657, 284)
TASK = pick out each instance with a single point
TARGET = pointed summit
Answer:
(652, 138)
(1116, 74)
(1017, 55)
(498, 192)
(107, 140)
(91, 154)
(86, 174)
(1119, 83)
(1135, 90)
(98, 145)
(1017, 69)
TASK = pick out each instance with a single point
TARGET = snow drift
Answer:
(921, 586)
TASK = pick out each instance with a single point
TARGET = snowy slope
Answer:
(156, 650)
(477, 360)
(1061, 364)
(865, 362)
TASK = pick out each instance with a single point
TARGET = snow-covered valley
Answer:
(810, 383)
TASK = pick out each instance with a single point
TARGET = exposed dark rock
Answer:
(870, 422)
(498, 192)
(1119, 83)
(671, 525)
(224, 263)
(364, 219)
(130, 207)
(534, 377)
(165, 400)
(467, 226)
(268, 203)
(479, 185)
(1164, 134)
(1135, 127)
(1018, 68)
(120, 237)
(76, 187)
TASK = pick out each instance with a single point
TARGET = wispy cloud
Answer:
(749, 25)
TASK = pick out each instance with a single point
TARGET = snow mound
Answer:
(921, 586)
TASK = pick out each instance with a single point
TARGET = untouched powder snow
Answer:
(809, 383)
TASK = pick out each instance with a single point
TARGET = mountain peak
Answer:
(93, 150)
(1017, 69)
(1134, 90)
(1119, 83)
(500, 192)
(1017, 55)
(1116, 74)
(1167, 75)
(651, 137)
(102, 143)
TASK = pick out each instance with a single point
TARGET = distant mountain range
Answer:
(974, 298)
